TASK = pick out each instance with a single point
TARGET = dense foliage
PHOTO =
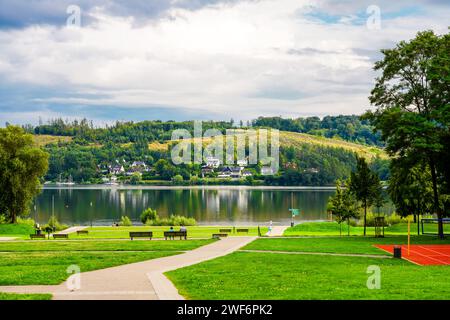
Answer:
(21, 167)
(350, 128)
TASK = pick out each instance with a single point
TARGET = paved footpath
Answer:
(71, 230)
(277, 231)
(136, 281)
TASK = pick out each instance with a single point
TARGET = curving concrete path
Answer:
(71, 230)
(137, 281)
(277, 231)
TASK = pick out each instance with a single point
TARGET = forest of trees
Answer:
(92, 149)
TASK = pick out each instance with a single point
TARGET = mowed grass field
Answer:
(158, 232)
(350, 245)
(244, 275)
(46, 262)
(267, 275)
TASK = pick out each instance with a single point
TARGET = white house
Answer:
(212, 162)
(117, 169)
(267, 171)
(242, 163)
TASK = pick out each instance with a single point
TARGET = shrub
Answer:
(54, 224)
(149, 214)
(125, 222)
(172, 221)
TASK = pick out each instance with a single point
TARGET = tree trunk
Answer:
(13, 217)
(365, 216)
(348, 227)
(437, 209)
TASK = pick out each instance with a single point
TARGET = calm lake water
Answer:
(208, 205)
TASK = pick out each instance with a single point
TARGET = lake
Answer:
(103, 205)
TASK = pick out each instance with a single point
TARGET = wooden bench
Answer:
(242, 230)
(37, 236)
(173, 234)
(141, 234)
(82, 232)
(60, 236)
(219, 235)
(225, 230)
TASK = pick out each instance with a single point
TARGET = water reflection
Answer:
(103, 206)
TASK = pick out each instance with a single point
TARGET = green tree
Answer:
(343, 205)
(411, 190)
(21, 167)
(365, 185)
(149, 214)
(135, 178)
(412, 100)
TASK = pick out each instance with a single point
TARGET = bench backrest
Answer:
(141, 234)
(60, 236)
(224, 230)
(241, 230)
(175, 233)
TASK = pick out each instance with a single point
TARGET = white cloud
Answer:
(243, 60)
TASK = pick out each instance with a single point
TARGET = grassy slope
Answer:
(332, 229)
(44, 139)
(16, 230)
(244, 275)
(297, 139)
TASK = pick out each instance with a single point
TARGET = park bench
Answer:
(60, 236)
(141, 234)
(82, 232)
(225, 230)
(242, 230)
(219, 235)
(173, 234)
(37, 236)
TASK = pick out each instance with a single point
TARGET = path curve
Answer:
(137, 281)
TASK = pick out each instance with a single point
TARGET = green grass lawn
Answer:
(46, 262)
(26, 268)
(16, 296)
(16, 230)
(99, 245)
(158, 232)
(353, 244)
(332, 229)
(23, 231)
(243, 275)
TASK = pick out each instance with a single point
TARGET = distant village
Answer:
(211, 168)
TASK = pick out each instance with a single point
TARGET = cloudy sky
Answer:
(197, 59)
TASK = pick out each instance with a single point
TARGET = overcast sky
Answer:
(198, 59)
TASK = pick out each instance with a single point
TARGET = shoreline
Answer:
(206, 187)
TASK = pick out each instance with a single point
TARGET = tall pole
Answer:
(292, 207)
(53, 209)
(409, 235)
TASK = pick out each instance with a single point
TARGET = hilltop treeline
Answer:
(350, 128)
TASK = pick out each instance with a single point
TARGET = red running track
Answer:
(423, 254)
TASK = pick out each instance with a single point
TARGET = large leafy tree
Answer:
(365, 185)
(410, 190)
(21, 166)
(412, 97)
